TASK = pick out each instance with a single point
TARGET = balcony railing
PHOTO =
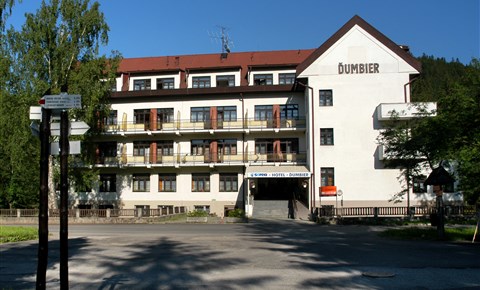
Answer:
(205, 126)
(405, 111)
(187, 159)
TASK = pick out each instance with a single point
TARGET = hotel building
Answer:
(226, 130)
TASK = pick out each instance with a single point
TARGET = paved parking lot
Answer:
(263, 254)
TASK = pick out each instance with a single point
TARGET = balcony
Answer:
(405, 111)
(383, 155)
(210, 126)
(187, 159)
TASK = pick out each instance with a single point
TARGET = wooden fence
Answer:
(394, 211)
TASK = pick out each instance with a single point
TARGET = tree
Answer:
(453, 135)
(57, 50)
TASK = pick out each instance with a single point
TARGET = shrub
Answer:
(197, 213)
(238, 213)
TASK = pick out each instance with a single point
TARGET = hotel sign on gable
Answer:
(278, 175)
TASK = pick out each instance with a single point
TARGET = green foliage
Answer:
(453, 135)
(17, 234)
(431, 234)
(238, 213)
(55, 51)
(197, 213)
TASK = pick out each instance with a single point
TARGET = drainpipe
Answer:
(245, 187)
(409, 84)
(312, 189)
(405, 88)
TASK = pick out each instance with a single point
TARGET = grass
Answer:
(430, 233)
(17, 234)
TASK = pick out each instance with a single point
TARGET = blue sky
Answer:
(138, 28)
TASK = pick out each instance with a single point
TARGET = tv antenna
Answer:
(224, 38)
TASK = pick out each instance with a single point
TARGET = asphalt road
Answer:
(258, 255)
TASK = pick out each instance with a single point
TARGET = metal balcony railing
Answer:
(187, 159)
(123, 127)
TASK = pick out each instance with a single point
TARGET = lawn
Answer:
(430, 233)
(10, 234)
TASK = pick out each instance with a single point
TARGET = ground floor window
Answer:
(108, 183)
(327, 176)
(200, 182)
(229, 182)
(141, 182)
(167, 182)
(205, 208)
(165, 209)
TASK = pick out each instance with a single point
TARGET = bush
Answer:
(197, 213)
(237, 213)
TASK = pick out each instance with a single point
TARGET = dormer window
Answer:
(165, 84)
(226, 81)
(201, 82)
(263, 79)
(141, 85)
(286, 78)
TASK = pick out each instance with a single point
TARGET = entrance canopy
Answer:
(290, 171)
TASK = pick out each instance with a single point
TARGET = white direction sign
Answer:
(74, 149)
(35, 113)
(76, 128)
(62, 101)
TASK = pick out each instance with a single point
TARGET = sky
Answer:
(144, 28)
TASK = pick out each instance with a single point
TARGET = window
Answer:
(167, 182)
(200, 147)
(165, 115)
(227, 147)
(140, 85)
(141, 182)
(141, 116)
(107, 149)
(263, 79)
(200, 182)
(205, 208)
(165, 148)
(263, 146)
(229, 182)
(289, 112)
(201, 82)
(199, 114)
(166, 209)
(263, 112)
(327, 176)
(165, 84)
(326, 136)
(286, 78)
(326, 98)
(111, 119)
(227, 113)
(108, 183)
(289, 145)
(226, 81)
(141, 148)
(418, 186)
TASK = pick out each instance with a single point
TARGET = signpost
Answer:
(55, 105)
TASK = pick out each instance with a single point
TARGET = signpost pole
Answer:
(64, 152)
(43, 201)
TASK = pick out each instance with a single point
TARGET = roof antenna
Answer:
(225, 41)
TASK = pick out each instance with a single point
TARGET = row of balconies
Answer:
(211, 126)
(183, 159)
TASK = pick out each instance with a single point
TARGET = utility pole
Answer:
(43, 200)
(64, 152)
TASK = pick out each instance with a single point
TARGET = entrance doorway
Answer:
(276, 188)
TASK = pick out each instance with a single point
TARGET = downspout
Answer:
(409, 84)
(245, 182)
(312, 188)
(405, 88)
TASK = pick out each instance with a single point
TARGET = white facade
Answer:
(263, 125)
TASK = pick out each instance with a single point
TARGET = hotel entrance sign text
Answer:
(278, 175)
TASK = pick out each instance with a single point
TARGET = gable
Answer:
(358, 48)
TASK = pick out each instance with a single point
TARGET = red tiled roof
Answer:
(210, 61)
